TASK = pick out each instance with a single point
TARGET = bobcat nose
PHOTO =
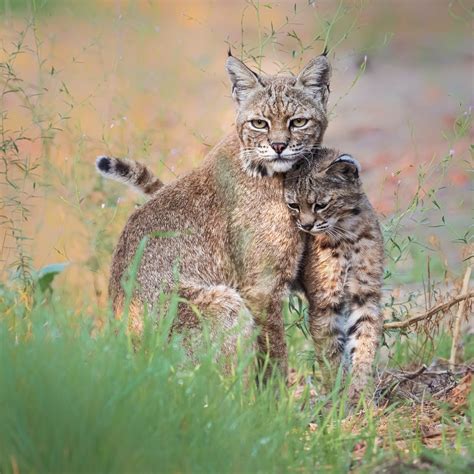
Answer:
(279, 146)
(307, 226)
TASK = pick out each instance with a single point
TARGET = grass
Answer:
(77, 399)
(73, 403)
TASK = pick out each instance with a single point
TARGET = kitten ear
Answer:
(345, 167)
(244, 80)
(315, 78)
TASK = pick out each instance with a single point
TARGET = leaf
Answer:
(46, 275)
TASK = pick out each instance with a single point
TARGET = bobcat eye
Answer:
(294, 206)
(260, 124)
(299, 122)
(320, 206)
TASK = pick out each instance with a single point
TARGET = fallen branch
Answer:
(430, 313)
(415, 374)
(408, 375)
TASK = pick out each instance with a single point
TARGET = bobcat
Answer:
(233, 241)
(343, 264)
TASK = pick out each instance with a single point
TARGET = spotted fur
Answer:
(278, 100)
(343, 268)
(224, 228)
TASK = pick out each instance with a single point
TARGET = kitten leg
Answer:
(365, 321)
(364, 329)
(324, 281)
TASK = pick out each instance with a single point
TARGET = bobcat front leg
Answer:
(364, 324)
(324, 279)
(364, 328)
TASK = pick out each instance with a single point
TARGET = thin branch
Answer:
(415, 374)
(430, 313)
(407, 375)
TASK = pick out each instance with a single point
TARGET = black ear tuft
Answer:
(103, 163)
(229, 52)
(326, 50)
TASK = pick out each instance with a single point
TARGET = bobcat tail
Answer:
(130, 172)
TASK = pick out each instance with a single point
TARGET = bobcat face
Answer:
(280, 119)
(324, 196)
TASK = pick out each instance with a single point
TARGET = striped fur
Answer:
(233, 257)
(134, 174)
(277, 101)
(343, 268)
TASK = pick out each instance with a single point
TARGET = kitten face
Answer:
(280, 119)
(324, 194)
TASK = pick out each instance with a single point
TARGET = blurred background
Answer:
(146, 79)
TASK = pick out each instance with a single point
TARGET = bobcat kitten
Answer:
(343, 265)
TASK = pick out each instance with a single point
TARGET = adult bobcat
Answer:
(235, 246)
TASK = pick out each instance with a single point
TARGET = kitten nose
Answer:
(279, 146)
(307, 226)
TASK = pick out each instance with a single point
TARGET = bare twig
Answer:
(445, 389)
(408, 375)
(459, 314)
(415, 374)
(430, 313)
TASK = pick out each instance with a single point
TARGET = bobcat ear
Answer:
(345, 167)
(315, 78)
(244, 80)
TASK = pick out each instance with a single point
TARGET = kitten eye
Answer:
(294, 206)
(299, 122)
(319, 207)
(260, 124)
